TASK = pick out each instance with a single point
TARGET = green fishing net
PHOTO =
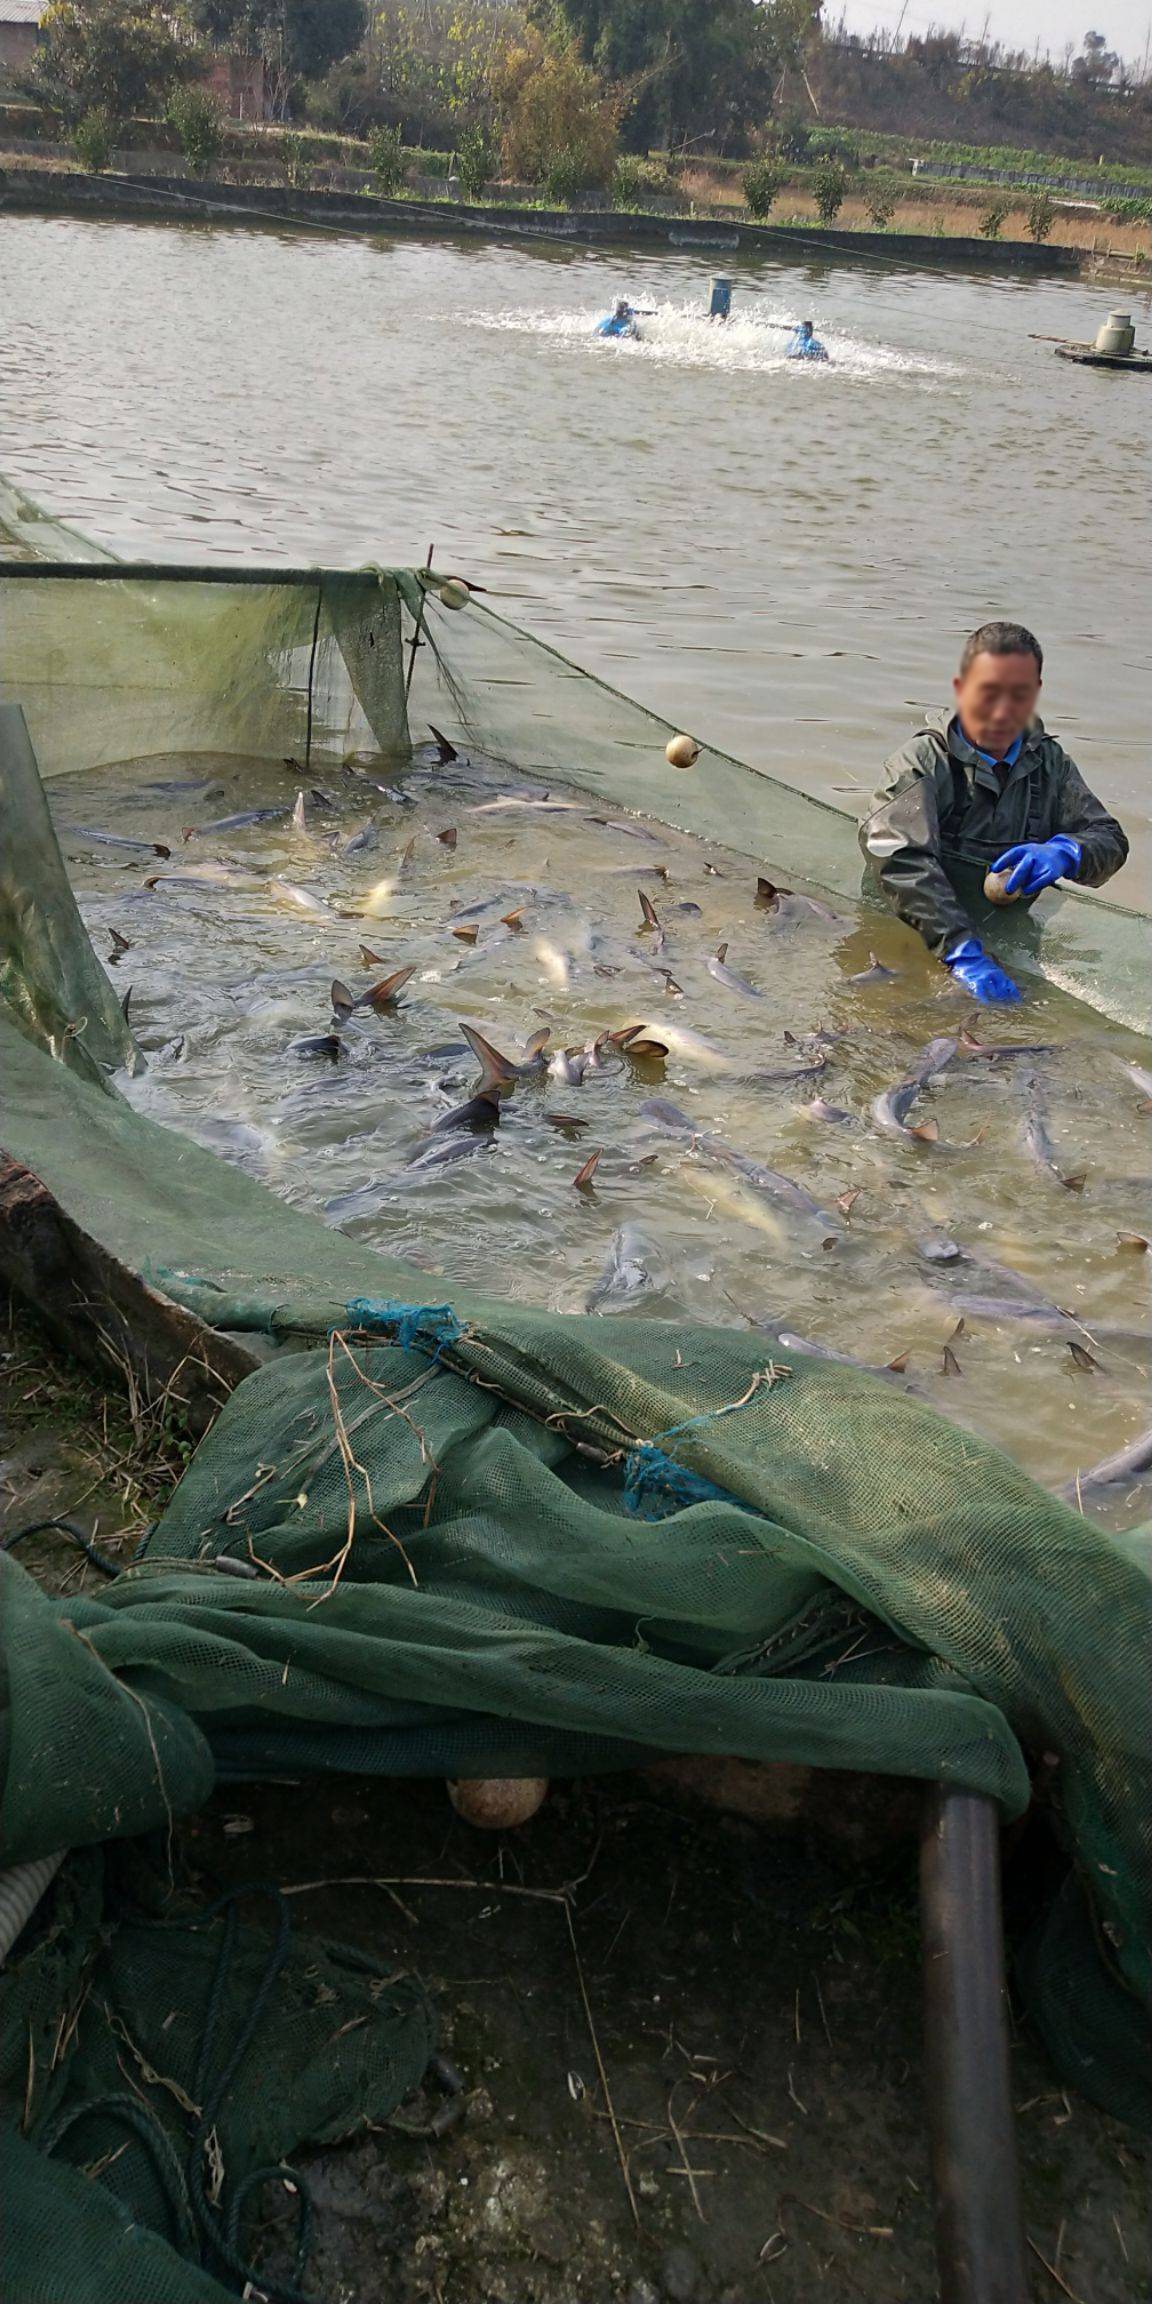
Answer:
(520, 1543)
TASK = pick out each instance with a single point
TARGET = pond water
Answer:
(745, 1172)
(781, 558)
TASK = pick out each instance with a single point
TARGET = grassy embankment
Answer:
(942, 210)
(319, 160)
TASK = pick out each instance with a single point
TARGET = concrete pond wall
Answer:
(74, 193)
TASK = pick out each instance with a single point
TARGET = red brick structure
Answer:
(19, 37)
(237, 82)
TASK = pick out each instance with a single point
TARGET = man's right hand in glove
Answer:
(980, 975)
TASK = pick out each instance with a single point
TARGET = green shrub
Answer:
(1129, 212)
(569, 173)
(762, 181)
(476, 162)
(294, 160)
(881, 208)
(994, 219)
(386, 160)
(93, 139)
(793, 138)
(829, 184)
(635, 179)
(199, 124)
(1041, 215)
(833, 144)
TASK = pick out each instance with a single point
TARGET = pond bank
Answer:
(73, 193)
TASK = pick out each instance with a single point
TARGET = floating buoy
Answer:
(681, 751)
(1117, 336)
(454, 593)
(497, 1803)
(996, 888)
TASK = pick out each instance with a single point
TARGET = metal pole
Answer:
(176, 572)
(979, 2234)
(417, 630)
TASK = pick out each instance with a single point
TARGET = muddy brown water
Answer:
(742, 1176)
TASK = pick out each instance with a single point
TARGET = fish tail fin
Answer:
(497, 1072)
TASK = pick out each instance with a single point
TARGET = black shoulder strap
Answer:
(956, 805)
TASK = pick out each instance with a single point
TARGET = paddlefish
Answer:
(775, 1187)
(1130, 1463)
(889, 1110)
(627, 1273)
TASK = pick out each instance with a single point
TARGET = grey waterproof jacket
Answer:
(942, 817)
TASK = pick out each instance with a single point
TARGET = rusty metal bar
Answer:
(979, 2231)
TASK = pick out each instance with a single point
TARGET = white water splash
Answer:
(754, 339)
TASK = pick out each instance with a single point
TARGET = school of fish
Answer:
(591, 1063)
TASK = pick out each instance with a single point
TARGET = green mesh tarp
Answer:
(483, 1541)
(51, 982)
(113, 665)
(520, 1545)
(187, 2057)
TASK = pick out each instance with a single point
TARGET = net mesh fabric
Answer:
(826, 1573)
(129, 667)
(866, 1588)
(331, 2043)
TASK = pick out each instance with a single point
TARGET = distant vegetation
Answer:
(975, 96)
(610, 101)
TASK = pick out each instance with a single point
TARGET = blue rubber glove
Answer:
(1037, 863)
(980, 975)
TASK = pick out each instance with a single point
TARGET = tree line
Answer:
(569, 93)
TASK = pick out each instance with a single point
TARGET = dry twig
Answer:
(1053, 2274)
(592, 2035)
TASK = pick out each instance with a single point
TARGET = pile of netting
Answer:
(448, 1541)
(502, 1546)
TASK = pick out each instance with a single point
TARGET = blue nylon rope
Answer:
(656, 1485)
(414, 1327)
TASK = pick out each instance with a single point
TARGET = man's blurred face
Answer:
(996, 699)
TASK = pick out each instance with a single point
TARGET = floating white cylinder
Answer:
(1117, 335)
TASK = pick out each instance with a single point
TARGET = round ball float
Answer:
(497, 1803)
(996, 888)
(681, 751)
(454, 593)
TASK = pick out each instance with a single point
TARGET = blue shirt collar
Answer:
(1006, 759)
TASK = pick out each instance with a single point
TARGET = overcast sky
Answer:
(1018, 23)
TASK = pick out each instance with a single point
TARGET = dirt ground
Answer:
(690, 2047)
(937, 212)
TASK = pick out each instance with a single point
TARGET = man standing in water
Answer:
(804, 344)
(621, 320)
(985, 789)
